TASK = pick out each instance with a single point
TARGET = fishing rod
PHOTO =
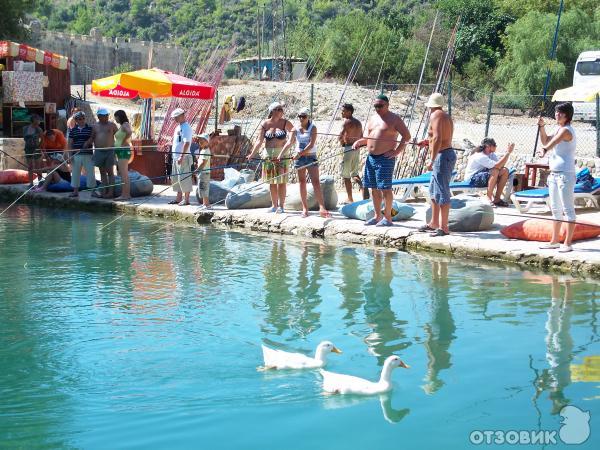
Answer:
(15, 159)
(423, 69)
(247, 143)
(261, 183)
(355, 66)
(350, 76)
(548, 73)
(31, 187)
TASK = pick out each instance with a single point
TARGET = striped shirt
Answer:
(80, 136)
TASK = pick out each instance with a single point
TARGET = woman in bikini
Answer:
(305, 160)
(274, 133)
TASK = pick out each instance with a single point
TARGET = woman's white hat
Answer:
(275, 105)
(304, 112)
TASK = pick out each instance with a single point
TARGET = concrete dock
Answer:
(490, 245)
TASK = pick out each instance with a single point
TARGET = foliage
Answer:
(13, 16)
(501, 44)
(528, 41)
(124, 67)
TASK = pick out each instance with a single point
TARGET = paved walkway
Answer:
(490, 245)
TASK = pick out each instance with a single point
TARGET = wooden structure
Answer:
(56, 90)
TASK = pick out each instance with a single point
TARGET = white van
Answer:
(587, 71)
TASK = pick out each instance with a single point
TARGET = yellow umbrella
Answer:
(586, 93)
(148, 83)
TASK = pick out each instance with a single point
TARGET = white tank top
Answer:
(562, 159)
(304, 139)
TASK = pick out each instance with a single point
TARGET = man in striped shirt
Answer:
(80, 143)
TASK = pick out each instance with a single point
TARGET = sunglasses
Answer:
(80, 118)
(378, 105)
(302, 116)
(278, 109)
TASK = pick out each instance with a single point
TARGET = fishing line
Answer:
(30, 188)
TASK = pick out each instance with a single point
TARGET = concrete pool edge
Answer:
(488, 245)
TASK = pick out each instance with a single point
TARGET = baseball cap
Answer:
(79, 115)
(304, 112)
(102, 112)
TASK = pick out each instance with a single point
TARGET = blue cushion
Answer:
(543, 193)
(65, 186)
(462, 184)
(424, 178)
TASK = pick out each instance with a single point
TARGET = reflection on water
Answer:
(439, 331)
(118, 335)
(389, 413)
(387, 335)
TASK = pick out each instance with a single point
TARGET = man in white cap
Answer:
(204, 170)
(181, 176)
(103, 137)
(443, 159)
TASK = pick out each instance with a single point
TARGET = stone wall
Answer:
(95, 56)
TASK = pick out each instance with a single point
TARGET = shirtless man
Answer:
(351, 132)
(443, 159)
(103, 137)
(381, 139)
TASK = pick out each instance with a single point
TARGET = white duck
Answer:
(278, 359)
(335, 383)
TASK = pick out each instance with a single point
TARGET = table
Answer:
(531, 170)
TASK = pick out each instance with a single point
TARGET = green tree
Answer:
(481, 29)
(528, 41)
(13, 17)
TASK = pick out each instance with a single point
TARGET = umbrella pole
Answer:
(552, 56)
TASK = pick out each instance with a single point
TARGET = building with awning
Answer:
(33, 81)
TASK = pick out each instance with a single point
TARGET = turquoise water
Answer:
(118, 338)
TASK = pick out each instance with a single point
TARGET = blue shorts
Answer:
(480, 179)
(379, 172)
(303, 161)
(439, 187)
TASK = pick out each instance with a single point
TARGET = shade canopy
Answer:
(151, 83)
(586, 93)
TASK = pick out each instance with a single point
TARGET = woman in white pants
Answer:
(561, 181)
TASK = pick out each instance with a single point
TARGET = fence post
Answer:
(382, 89)
(312, 99)
(489, 114)
(450, 97)
(598, 125)
(216, 110)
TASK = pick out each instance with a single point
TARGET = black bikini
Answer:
(278, 134)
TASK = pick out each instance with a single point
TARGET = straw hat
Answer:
(436, 100)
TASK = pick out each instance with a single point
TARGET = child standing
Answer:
(204, 171)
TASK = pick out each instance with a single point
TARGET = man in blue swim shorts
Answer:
(443, 159)
(381, 139)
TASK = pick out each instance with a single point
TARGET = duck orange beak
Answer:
(336, 350)
(404, 365)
